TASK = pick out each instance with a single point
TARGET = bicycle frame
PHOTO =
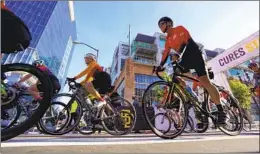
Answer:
(188, 98)
(80, 93)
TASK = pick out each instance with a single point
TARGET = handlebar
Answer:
(72, 84)
(173, 64)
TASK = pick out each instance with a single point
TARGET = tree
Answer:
(241, 92)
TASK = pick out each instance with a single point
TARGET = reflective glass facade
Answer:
(35, 14)
(53, 30)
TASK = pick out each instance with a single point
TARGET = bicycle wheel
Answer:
(55, 118)
(72, 123)
(154, 94)
(246, 125)
(237, 119)
(121, 119)
(43, 104)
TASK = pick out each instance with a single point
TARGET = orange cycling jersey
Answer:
(176, 39)
(90, 71)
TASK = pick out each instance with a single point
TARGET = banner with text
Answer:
(239, 53)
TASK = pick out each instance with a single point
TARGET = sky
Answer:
(103, 24)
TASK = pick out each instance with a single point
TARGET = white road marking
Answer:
(111, 141)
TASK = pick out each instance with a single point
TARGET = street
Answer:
(211, 142)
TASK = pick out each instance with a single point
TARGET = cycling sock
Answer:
(220, 108)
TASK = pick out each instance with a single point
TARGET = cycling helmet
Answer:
(252, 64)
(165, 19)
(38, 62)
(91, 55)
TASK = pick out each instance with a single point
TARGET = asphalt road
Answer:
(187, 143)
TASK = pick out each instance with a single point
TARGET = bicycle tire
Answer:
(64, 129)
(185, 105)
(240, 118)
(50, 132)
(44, 103)
(131, 115)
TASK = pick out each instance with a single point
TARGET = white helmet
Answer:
(38, 62)
(91, 55)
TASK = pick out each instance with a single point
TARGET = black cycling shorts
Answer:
(102, 82)
(193, 59)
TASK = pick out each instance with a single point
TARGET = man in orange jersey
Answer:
(179, 43)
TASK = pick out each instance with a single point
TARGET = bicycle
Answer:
(108, 116)
(16, 37)
(188, 101)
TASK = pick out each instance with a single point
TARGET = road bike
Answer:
(187, 101)
(116, 119)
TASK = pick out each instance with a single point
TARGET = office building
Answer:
(53, 29)
(136, 73)
(119, 57)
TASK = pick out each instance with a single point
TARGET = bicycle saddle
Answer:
(14, 33)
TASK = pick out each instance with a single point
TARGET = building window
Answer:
(122, 63)
(144, 60)
(141, 83)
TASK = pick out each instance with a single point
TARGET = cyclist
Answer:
(179, 41)
(255, 68)
(96, 81)
(34, 89)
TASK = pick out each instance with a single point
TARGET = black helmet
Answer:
(165, 19)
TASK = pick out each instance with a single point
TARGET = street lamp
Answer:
(76, 42)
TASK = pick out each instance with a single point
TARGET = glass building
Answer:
(53, 29)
